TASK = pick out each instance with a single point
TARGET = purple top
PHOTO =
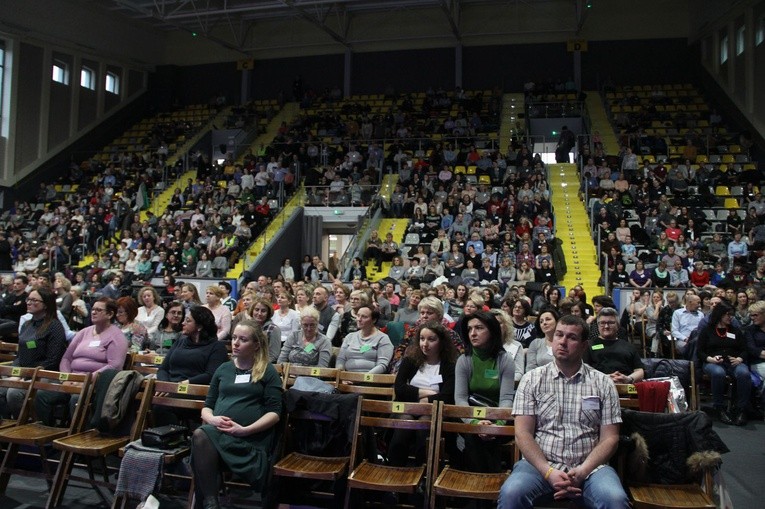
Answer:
(90, 352)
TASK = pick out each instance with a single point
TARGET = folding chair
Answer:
(381, 415)
(369, 385)
(8, 352)
(322, 462)
(94, 445)
(15, 377)
(36, 434)
(451, 482)
(328, 375)
(177, 396)
(147, 364)
(628, 396)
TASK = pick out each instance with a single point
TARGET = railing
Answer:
(554, 109)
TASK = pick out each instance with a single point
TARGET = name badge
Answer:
(32, 344)
(601, 346)
(167, 343)
(590, 403)
(95, 343)
(243, 379)
(730, 335)
(491, 374)
(309, 347)
(365, 348)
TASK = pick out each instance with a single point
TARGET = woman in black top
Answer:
(722, 350)
(192, 359)
(196, 355)
(42, 342)
(426, 374)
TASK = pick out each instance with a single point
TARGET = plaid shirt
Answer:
(567, 428)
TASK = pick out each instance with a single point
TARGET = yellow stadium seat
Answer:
(735, 149)
(484, 179)
(471, 169)
(731, 203)
(701, 159)
(722, 191)
(728, 158)
(459, 170)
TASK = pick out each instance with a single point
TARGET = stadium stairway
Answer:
(512, 105)
(599, 122)
(573, 228)
(287, 114)
(397, 227)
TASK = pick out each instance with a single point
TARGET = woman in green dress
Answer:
(242, 408)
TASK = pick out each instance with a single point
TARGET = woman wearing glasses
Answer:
(94, 349)
(169, 329)
(42, 342)
(307, 346)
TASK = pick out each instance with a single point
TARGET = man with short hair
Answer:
(608, 354)
(329, 319)
(685, 320)
(567, 427)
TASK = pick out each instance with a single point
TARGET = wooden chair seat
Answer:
(7, 423)
(453, 482)
(32, 434)
(656, 496)
(370, 476)
(91, 443)
(311, 467)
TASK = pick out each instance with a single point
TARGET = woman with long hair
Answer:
(197, 353)
(261, 312)
(742, 308)
(485, 373)
(169, 329)
(64, 300)
(42, 342)
(426, 374)
(242, 408)
(722, 351)
(541, 349)
(286, 318)
(150, 314)
(189, 295)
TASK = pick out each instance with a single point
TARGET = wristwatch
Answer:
(630, 380)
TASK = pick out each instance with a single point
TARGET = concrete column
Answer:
(458, 65)
(347, 73)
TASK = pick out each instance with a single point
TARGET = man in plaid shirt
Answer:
(567, 420)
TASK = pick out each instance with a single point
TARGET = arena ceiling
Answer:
(244, 25)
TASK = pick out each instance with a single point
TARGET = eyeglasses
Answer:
(607, 324)
(98, 310)
(175, 312)
(32, 301)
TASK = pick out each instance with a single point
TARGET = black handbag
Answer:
(478, 400)
(165, 437)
